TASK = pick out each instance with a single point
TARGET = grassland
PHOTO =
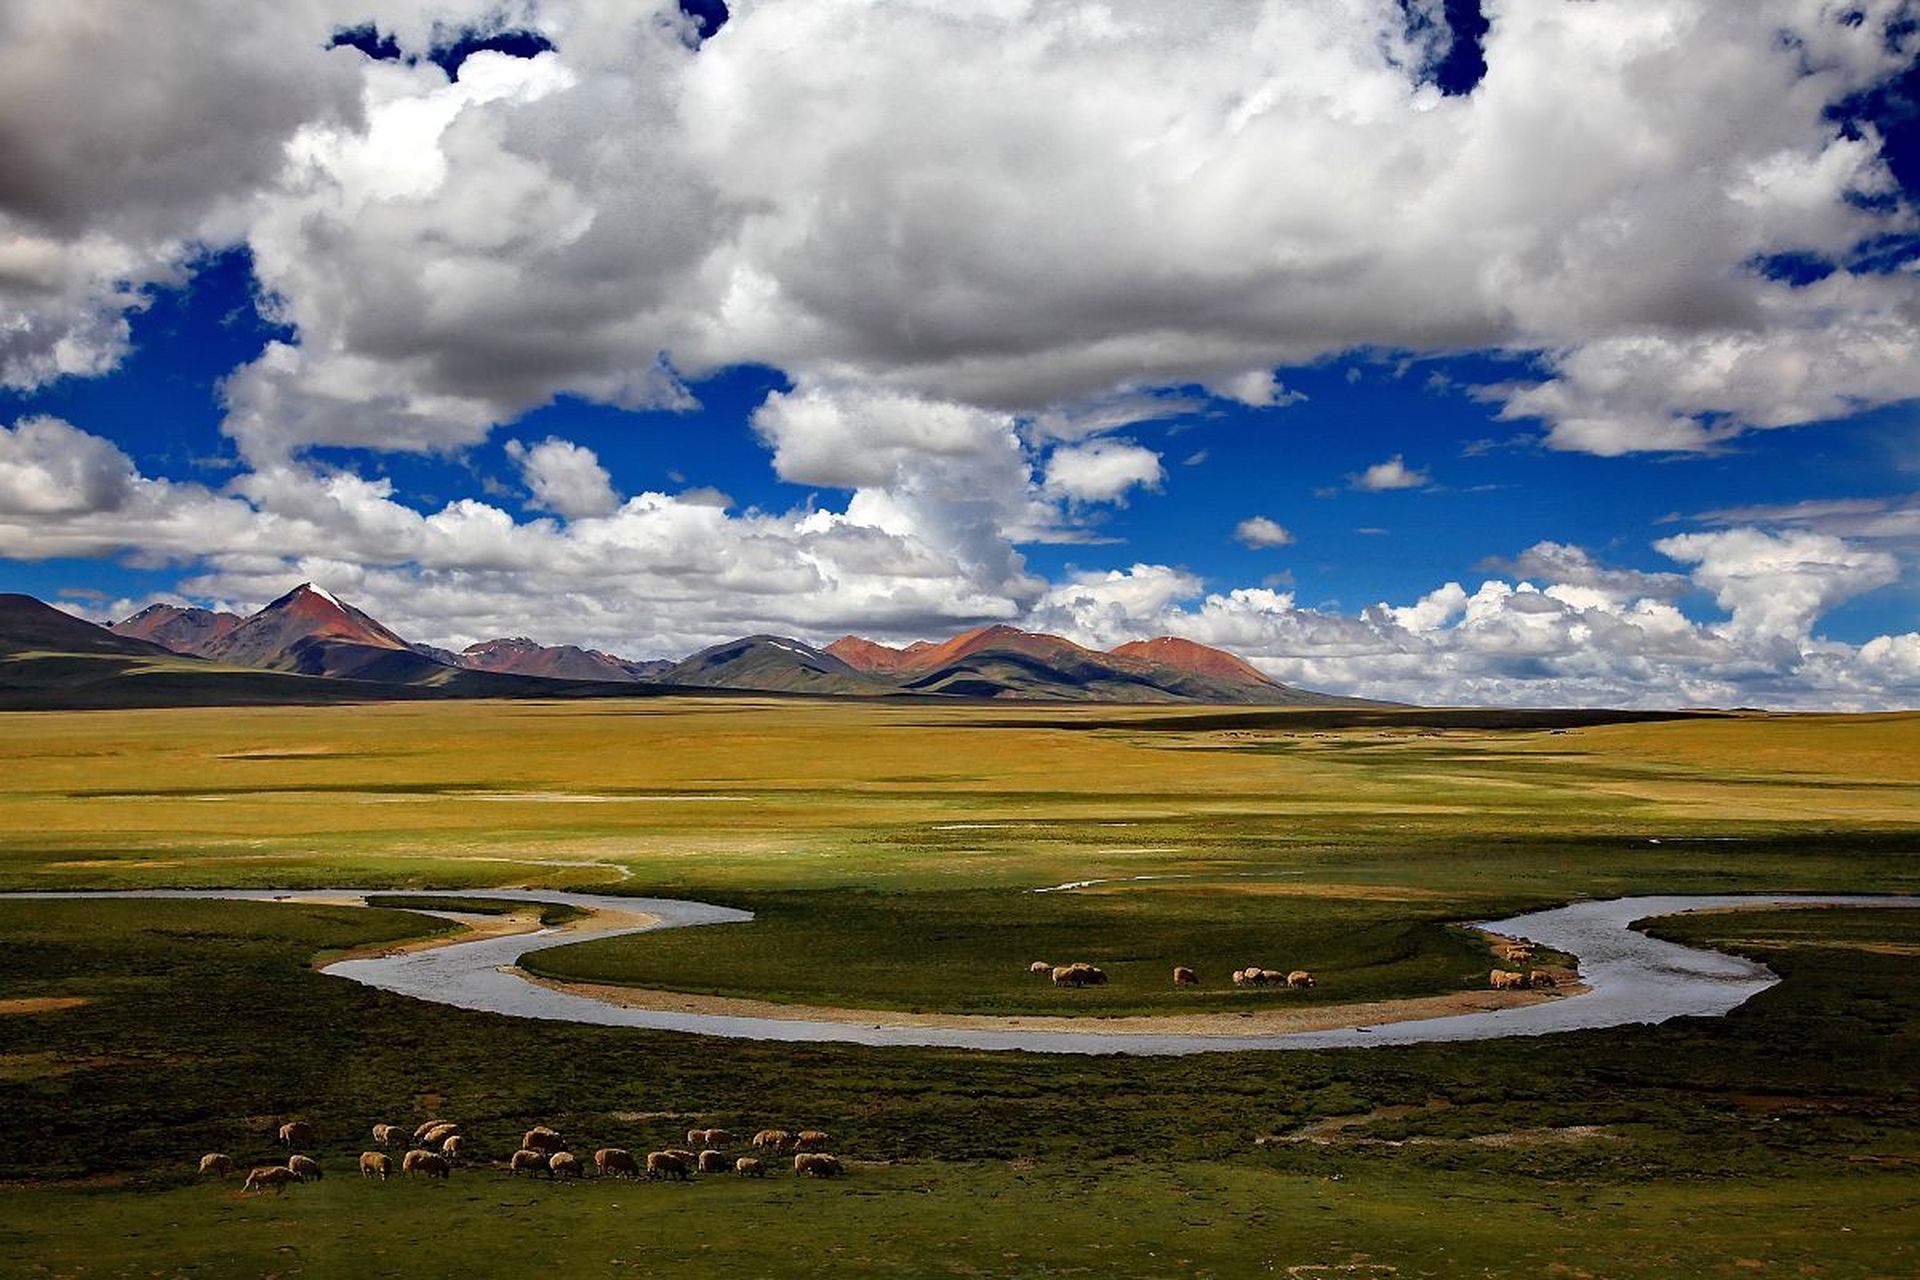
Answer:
(890, 851)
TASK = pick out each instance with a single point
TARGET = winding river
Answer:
(1631, 978)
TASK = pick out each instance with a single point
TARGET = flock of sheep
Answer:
(1509, 980)
(439, 1145)
(1082, 974)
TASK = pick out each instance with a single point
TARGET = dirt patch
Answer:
(43, 1004)
(1334, 1131)
(1255, 1023)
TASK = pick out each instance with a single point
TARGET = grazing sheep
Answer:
(386, 1134)
(541, 1138)
(748, 1167)
(1239, 977)
(772, 1139)
(305, 1168)
(1184, 977)
(529, 1159)
(296, 1133)
(427, 1163)
(720, 1138)
(817, 1164)
(375, 1164)
(667, 1164)
(1518, 952)
(1502, 980)
(712, 1161)
(452, 1146)
(270, 1177)
(1300, 979)
(217, 1164)
(437, 1136)
(612, 1162)
(1079, 974)
(1040, 968)
(811, 1140)
(1541, 978)
(426, 1126)
(563, 1164)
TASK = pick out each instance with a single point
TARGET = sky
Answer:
(1513, 352)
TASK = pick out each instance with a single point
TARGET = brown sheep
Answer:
(437, 1136)
(217, 1164)
(529, 1159)
(1184, 977)
(1040, 968)
(429, 1164)
(811, 1140)
(270, 1177)
(452, 1146)
(748, 1167)
(541, 1138)
(563, 1164)
(386, 1134)
(772, 1139)
(667, 1164)
(1079, 974)
(1542, 978)
(720, 1138)
(712, 1161)
(425, 1127)
(1239, 977)
(614, 1162)
(1300, 979)
(296, 1133)
(817, 1164)
(375, 1164)
(1502, 980)
(305, 1168)
(1517, 953)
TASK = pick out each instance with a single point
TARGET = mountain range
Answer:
(311, 634)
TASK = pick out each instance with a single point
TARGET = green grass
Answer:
(967, 951)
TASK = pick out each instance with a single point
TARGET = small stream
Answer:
(1631, 977)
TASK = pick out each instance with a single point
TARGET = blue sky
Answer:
(955, 355)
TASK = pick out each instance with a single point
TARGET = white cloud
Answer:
(1102, 470)
(1776, 585)
(565, 478)
(1394, 473)
(51, 468)
(1259, 532)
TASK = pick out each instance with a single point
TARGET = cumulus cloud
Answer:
(1394, 473)
(1259, 533)
(1102, 470)
(565, 478)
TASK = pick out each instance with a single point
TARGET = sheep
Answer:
(529, 1159)
(1541, 978)
(1079, 974)
(426, 1126)
(305, 1168)
(612, 1162)
(712, 1161)
(1239, 977)
(1503, 980)
(816, 1164)
(386, 1134)
(720, 1138)
(269, 1177)
(541, 1138)
(428, 1163)
(296, 1133)
(1040, 968)
(216, 1163)
(563, 1164)
(1300, 979)
(748, 1167)
(667, 1164)
(772, 1139)
(452, 1146)
(1184, 977)
(375, 1164)
(1517, 953)
(811, 1140)
(436, 1137)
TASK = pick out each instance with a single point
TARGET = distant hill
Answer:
(520, 656)
(1006, 662)
(774, 664)
(310, 633)
(182, 630)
